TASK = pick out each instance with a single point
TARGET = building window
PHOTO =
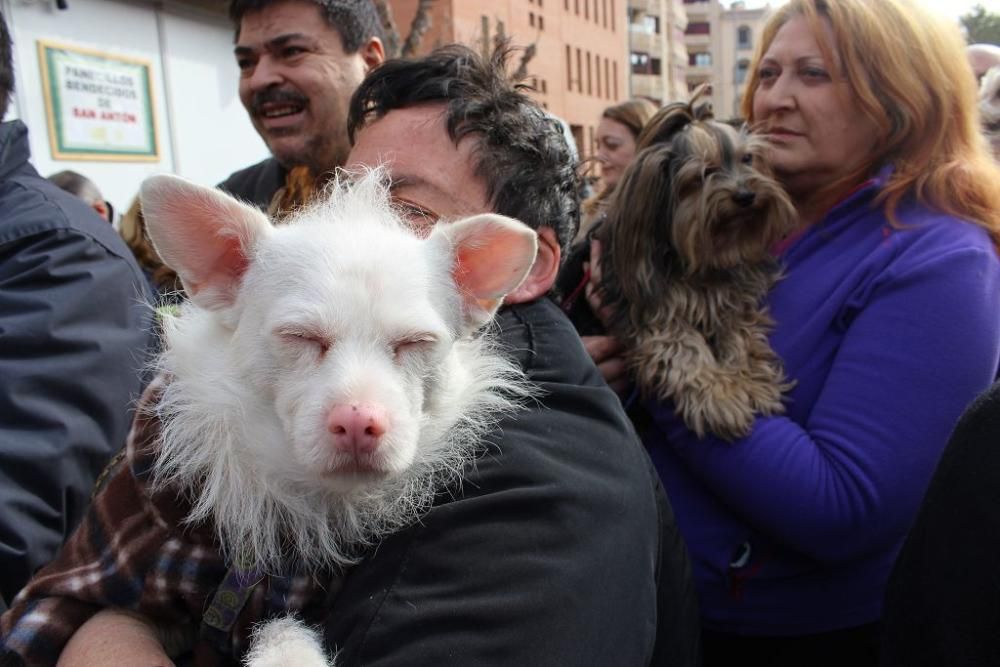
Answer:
(569, 68)
(531, 19)
(545, 87)
(612, 15)
(604, 6)
(579, 71)
(654, 65)
(590, 89)
(700, 59)
(566, 5)
(641, 63)
(614, 70)
(744, 38)
(607, 78)
(576, 7)
(597, 78)
(586, 10)
(698, 28)
(652, 24)
(742, 67)
(541, 22)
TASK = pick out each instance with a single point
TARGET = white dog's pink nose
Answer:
(357, 429)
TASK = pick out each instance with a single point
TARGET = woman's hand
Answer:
(606, 351)
(593, 292)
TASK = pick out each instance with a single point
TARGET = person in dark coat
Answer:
(74, 329)
(942, 606)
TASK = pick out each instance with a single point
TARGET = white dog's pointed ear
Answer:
(203, 234)
(493, 254)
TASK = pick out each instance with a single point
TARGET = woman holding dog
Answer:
(887, 321)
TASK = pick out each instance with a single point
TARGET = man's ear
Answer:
(543, 272)
(204, 235)
(372, 53)
(491, 254)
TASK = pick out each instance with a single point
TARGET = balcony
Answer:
(643, 41)
(647, 85)
(699, 72)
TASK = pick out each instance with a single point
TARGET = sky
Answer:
(950, 8)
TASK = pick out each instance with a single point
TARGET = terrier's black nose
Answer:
(744, 197)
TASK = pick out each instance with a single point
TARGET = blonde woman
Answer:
(617, 132)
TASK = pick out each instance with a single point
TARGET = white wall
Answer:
(212, 134)
(203, 131)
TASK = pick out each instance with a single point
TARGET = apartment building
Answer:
(658, 51)
(720, 44)
(581, 63)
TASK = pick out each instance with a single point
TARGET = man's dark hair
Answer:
(6, 67)
(521, 151)
(357, 21)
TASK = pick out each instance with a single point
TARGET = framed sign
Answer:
(99, 106)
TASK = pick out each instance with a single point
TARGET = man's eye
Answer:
(416, 213)
(291, 51)
(244, 63)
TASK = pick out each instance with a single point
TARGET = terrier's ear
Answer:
(492, 255)
(205, 235)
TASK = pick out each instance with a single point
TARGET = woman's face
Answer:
(814, 126)
(615, 149)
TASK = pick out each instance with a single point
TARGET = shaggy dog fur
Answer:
(327, 378)
(687, 264)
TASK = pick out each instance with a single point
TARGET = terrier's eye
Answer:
(747, 159)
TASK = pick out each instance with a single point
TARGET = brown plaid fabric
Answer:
(134, 551)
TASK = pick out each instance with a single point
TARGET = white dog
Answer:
(327, 378)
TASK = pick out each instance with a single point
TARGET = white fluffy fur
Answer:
(244, 413)
(286, 642)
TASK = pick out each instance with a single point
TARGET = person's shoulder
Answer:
(31, 206)
(257, 183)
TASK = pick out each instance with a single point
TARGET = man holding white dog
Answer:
(559, 546)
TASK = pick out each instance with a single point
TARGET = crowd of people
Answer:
(858, 527)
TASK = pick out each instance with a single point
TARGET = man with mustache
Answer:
(300, 61)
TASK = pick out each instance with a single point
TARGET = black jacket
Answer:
(560, 549)
(943, 600)
(74, 331)
(256, 184)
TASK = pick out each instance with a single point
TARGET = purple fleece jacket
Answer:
(889, 332)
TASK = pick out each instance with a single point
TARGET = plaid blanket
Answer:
(135, 551)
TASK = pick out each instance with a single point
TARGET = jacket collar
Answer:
(14, 150)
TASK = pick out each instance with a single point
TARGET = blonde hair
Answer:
(132, 229)
(908, 73)
(633, 114)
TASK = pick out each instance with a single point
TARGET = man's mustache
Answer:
(276, 96)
